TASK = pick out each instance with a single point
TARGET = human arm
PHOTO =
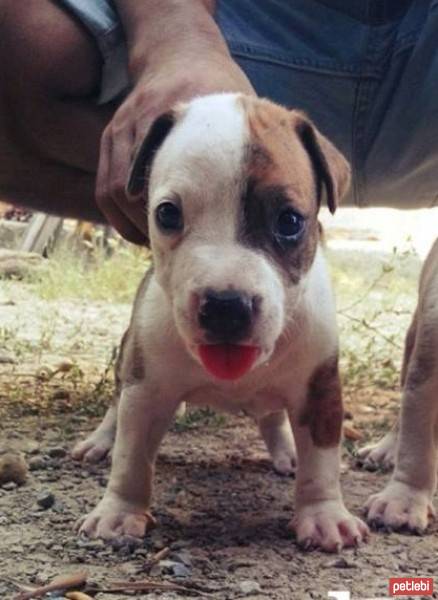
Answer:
(176, 51)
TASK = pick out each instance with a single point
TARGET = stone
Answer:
(13, 469)
(10, 486)
(57, 452)
(248, 587)
(18, 264)
(37, 463)
(183, 557)
(7, 359)
(45, 500)
(180, 570)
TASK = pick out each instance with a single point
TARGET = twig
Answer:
(372, 328)
(63, 582)
(153, 560)
(148, 585)
(18, 585)
(364, 296)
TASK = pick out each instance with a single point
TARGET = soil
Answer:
(221, 510)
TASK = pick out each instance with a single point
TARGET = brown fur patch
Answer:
(285, 161)
(261, 206)
(323, 412)
(279, 174)
(130, 363)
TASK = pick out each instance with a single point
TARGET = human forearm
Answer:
(176, 52)
(159, 30)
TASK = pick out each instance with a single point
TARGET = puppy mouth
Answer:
(228, 361)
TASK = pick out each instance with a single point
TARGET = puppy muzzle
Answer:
(226, 316)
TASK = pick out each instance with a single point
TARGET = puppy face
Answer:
(234, 187)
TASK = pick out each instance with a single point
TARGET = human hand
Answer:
(175, 79)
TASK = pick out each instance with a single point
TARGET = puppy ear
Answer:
(331, 169)
(141, 165)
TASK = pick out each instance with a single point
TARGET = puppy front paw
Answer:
(400, 506)
(328, 525)
(115, 520)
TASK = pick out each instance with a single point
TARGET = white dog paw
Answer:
(400, 506)
(329, 526)
(380, 455)
(284, 463)
(95, 448)
(114, 521)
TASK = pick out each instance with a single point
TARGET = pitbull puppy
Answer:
(407, 500)
(238, 311)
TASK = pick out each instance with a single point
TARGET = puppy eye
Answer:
(169, 217)
(289, 226)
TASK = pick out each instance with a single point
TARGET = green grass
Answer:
(376, 296)
(195, 418)
(91, 276)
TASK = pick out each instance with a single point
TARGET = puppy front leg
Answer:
(407, 500)
(321, 519)
(143, 419)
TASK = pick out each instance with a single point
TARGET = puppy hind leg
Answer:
(382, 454)
(99, 443)
(276, 432)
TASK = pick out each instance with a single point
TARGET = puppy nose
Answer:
(226, 316)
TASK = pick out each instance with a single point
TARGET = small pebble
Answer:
(172, 567)
(180, 570)
(7, 359)
(183, 557)
(88, 544)
(248, 587)
(13, 468)
(37, 463)
(11, 485)
(46, 500)
(341, 563)
(57, 452)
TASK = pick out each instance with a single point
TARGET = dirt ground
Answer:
(221, 510)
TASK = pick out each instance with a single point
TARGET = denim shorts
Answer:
(365, 71)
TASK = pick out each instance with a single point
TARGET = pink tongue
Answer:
(228, 361)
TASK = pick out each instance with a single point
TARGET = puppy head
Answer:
(234, 185)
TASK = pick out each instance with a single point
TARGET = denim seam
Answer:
(250, 51)
(405, 42)
(360, 109)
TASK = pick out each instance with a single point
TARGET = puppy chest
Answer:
(255, 403)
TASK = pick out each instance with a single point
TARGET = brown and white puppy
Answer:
(238, 312)
(407, 500)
